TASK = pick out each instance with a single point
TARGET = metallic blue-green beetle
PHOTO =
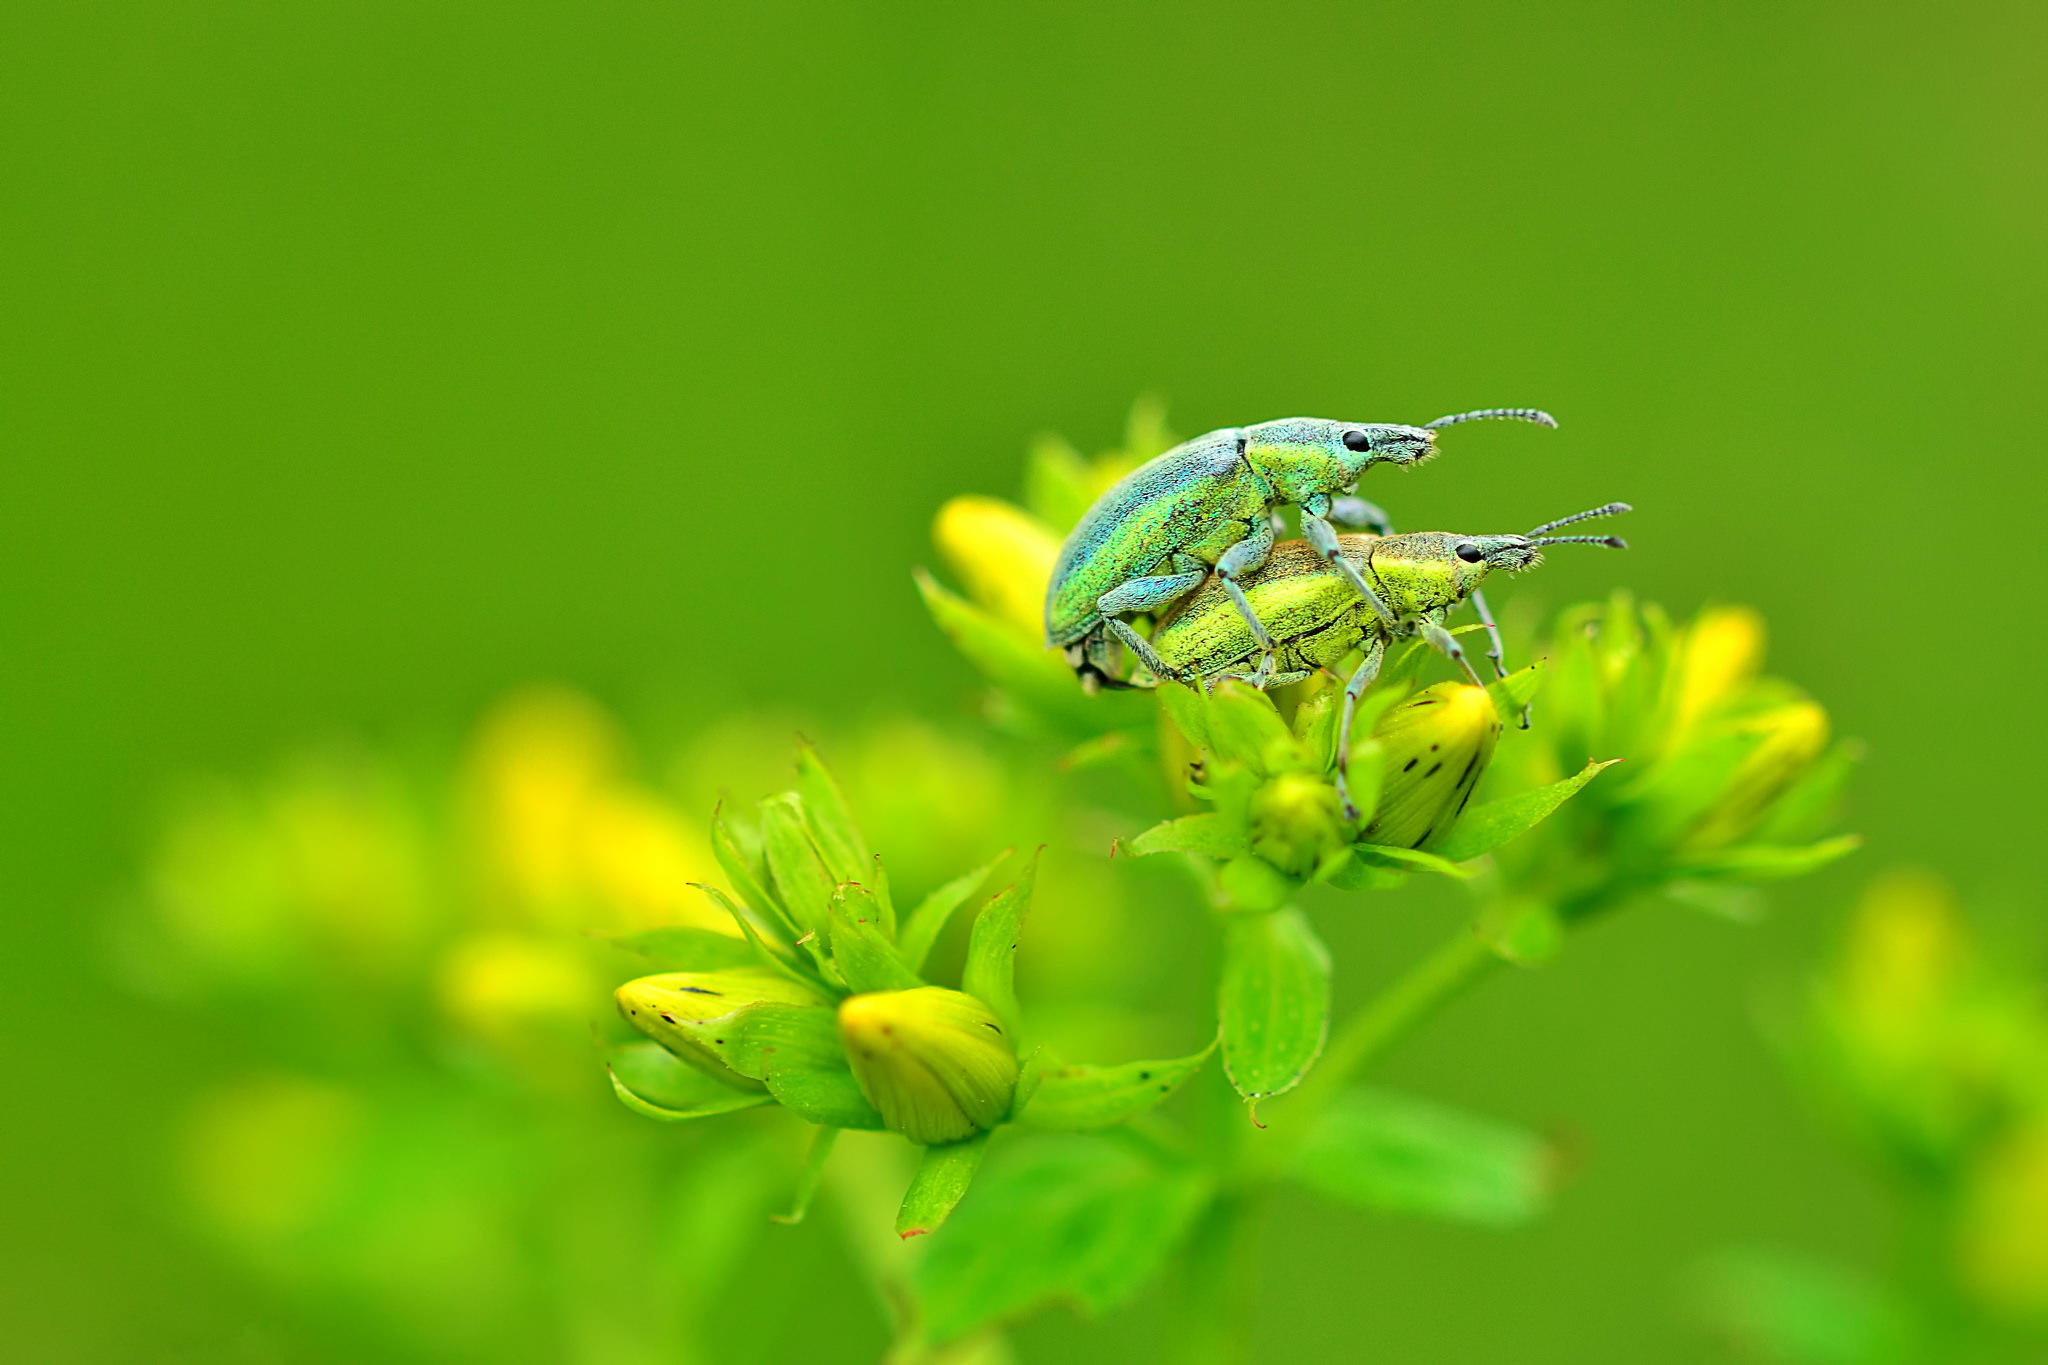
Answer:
(1208, 504)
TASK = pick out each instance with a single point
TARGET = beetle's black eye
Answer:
(1357, 440)
(1470, 553)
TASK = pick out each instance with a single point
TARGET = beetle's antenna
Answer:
(1536, 415)
(1606, 510)
(1611, 542)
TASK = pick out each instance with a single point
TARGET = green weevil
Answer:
(1209, 504)
(1315, 619)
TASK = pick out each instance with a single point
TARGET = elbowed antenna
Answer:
(1536, 415)
(1536, 537)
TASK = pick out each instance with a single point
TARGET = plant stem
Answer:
(1215, 1317)
(1389, 1016)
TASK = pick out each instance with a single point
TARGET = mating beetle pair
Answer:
(1313, 619)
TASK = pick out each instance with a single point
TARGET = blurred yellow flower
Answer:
(1001, 554)
(511, 990)
(1723, 649)
(1900, 963)
(1791, 740)
(2002, 1229)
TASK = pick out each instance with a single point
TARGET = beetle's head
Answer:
(1360, 444)
(1477, 556)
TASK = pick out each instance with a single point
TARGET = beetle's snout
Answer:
(1510, 554)
(1406, 446)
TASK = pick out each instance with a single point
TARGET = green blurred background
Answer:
(366, 360)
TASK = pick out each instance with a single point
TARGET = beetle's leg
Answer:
(1359, 515)
(1448, 645)
(1279, 524)
(1495, 650)
(1237, 561)
(1324, 539)
(1375, 651)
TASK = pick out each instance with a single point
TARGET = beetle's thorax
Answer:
(1298, 457)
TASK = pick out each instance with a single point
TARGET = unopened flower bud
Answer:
(1720, 655)
(1002, 555)
(662, 1006)
(937, 1064)
(1434, 747)
(1792, 737)
(1296, 820)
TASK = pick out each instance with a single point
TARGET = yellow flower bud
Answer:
(1792, 737)
(1001, 554)
(659, 1005)
(1434, 747)
(1296, 820)
(936, 1063)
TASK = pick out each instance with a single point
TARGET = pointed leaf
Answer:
(1246, 728)
(1768, 862)
(839, 839)
(1083, 1097)
(922, 927)
(685, 948)
(1394, 1154)
(1035, 676)
(656, 1085)
(795, 1051)
(801, 880)
(788, 963)
(1485, 828)
(865, 959)
(1273, 1003)
(1209, 834)
(1512, 693)
(990, 975)
(1073, 1219)
(1526, 933)
(1189, 711)
(769, 917)
(943, 1174)
(1357, 874)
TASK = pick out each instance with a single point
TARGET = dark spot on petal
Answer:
(1144, 1075)
(699, 990)
(1434, 747)
(1410, 764)
(721, 1042)
(1434, 769)
(668, 1018)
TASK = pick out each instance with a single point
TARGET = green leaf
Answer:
(1526, 933)
(1189, 711)
(1245, 727)
(1811, 803)
(1394, 1154)
(1209, 834)
(838, 838)
(682, 948)
(795, 1051)
(1081, 1097)
(866, 960)
(1485, 828)
(799, 873)
(807, 1179)
(1790, 1309)
(1054, 1218)
(943, 1174)
(1411, 860)
(789, 965)
(921, 929)
(1036, 676)
(1273, 1003)
(1512, 693)
(1356, 874)
(990, 974)
(656, 1085)
(1768, 862)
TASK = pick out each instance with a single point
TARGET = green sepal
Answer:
(878, 882)
(943, 1175)
(684, 948)
(1254, 885)
(1486, 827)
(1395, 1154)
(807, 1179)
(1273, 1001)
(794, 1050)
(1189, 711)
(1411, 860)
(1516, 690)
(866, 960)
(838, 838)
(794, 863)
(1070, 1219)
(654, 1084)
(1808, 806)
(1356, 874)
(788, 964)
(1366, 777)
(922, 927)
(990, 974)
(770, 919)
(1769, 862)
(1078, 1098)
(1245, 727)
(1209, 834)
